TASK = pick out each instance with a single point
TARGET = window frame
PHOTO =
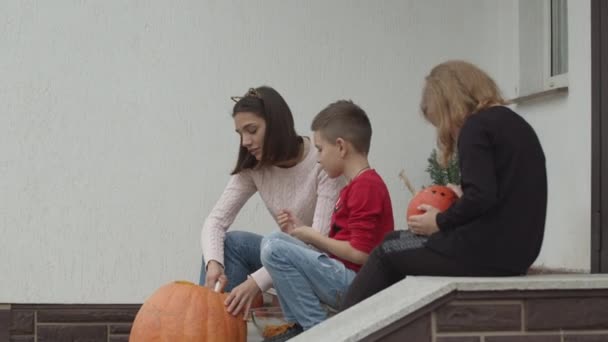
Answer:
(560, 80)
(534, 52)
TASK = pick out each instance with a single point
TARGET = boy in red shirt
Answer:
(305, 277)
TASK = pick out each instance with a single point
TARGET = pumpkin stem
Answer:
(407, 182)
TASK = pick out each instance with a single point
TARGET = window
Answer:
(543, 47)
(559, 41)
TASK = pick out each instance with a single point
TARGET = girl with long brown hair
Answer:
(280, 165)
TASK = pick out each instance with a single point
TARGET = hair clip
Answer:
(252, 92)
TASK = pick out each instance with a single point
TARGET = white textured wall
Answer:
(116, 139)
(563, 123)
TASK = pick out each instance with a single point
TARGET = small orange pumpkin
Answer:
(438, 196)
(183, 311)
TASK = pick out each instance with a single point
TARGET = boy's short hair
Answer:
(344, 119)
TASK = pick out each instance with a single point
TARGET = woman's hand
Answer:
(424, 224)
(214, 275)
(288, 221)
(456, 188)
(239, 300)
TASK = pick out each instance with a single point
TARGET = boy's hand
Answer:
(305, 234)
(288, 221)
(240, 298)
(456, 188)
(424, 224)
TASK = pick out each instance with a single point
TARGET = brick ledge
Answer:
(408, 297)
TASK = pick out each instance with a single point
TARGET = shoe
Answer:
(292, 332)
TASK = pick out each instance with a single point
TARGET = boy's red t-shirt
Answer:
(363, 214)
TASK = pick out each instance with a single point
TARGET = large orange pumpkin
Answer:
(438, 196)
(183, 311)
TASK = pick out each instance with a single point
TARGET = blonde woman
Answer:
(496, 227)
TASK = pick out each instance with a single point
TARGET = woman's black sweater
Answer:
(500, 219)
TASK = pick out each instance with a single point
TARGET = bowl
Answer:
(269, 321)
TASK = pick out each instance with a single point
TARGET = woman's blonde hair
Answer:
(453, 91)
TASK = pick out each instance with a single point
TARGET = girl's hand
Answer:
(214, 275)
(304, 234)
(288, 221)
(239, 300)
(456, 188)
(424, 224)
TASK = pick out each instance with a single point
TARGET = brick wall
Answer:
(509, 316)
(57, 323)
(531, 316)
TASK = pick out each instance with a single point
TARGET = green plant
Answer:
(443, 175)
